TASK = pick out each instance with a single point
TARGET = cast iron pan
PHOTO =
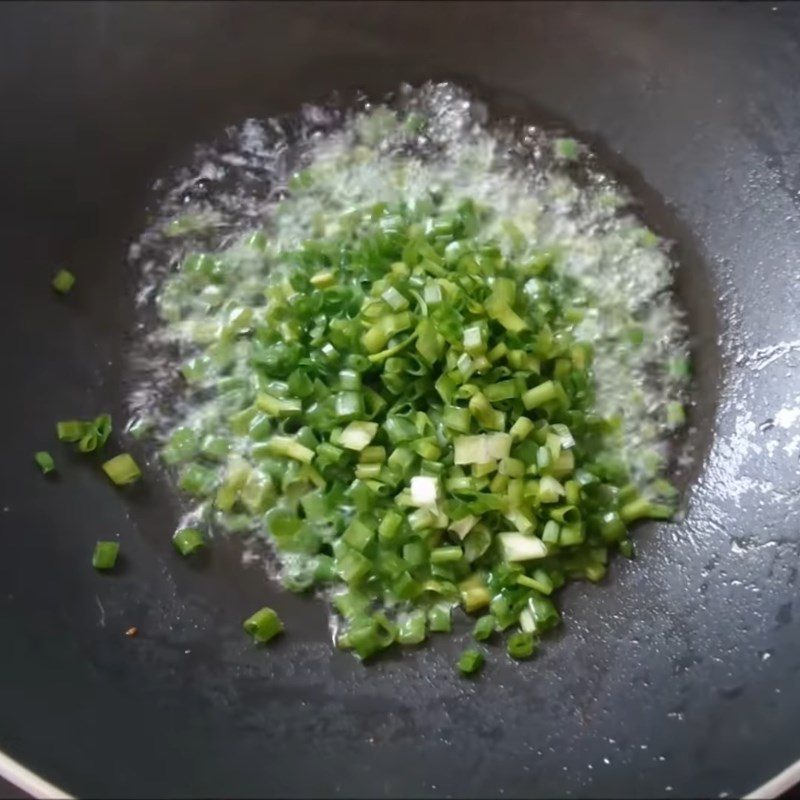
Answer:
(679, 677)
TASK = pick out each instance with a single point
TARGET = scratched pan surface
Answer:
(680, 676)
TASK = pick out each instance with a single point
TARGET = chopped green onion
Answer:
(63, 281)
(439, 620)
(263, 626)
(105, 555)
(90, 435)
(322, 280)
(470, 662)
(290, 448)
(566, 148)
(484, 627)
(412, 627)
(357, 435)
(424, 490)
(70, 430)
(197, 480)
(474, 593)
(539, 395)
(626, 548)
(446, 555)
(521, 547)
(122, 469)
(482, 449)
(676, 416)
(521, 645)
(45, 461)
(181, 446)
(400, 405)
(278, 406)
(187, 540)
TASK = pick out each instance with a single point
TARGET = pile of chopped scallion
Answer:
(413, 428)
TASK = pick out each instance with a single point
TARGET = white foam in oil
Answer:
(434, 138)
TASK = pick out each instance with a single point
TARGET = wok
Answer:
(680, 677)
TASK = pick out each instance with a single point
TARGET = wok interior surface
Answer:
(677, 677)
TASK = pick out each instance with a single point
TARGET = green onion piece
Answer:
(197, 480)
(521, 645)
(373, 455)
(626, 548)
(498, 309)
(679, 368)
(63, 281)
(70, 430)
(290, 448)
(394, 299)
(612, 528)
(446, 555)
(122, 469)
(551, 532)
(390, 526)
(504, 390)
(215, 448)
(484, 627)
(357, 435)
(412, 627)
(105, 555)
(181, 446)
(322, 280)
(263, 626)
(566, 149)
(474, 593)
(542, 613)
(550, 490)
(459, 419)
(571, 535)
(540, 581)
(369, 635)
(482, 449)
(348, 405)
(642, 508)
(539, 395)
(568, 515)
(45, 461)
(90, 435)
(102, 426)
(278, 406)
(187, 540)
(439, 620)
(470, 662)
(521, 547)
(595, 572)
(676, 416)
(521, 428)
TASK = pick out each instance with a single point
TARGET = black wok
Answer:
(678, 678)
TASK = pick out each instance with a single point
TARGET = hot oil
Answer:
(235, 186)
